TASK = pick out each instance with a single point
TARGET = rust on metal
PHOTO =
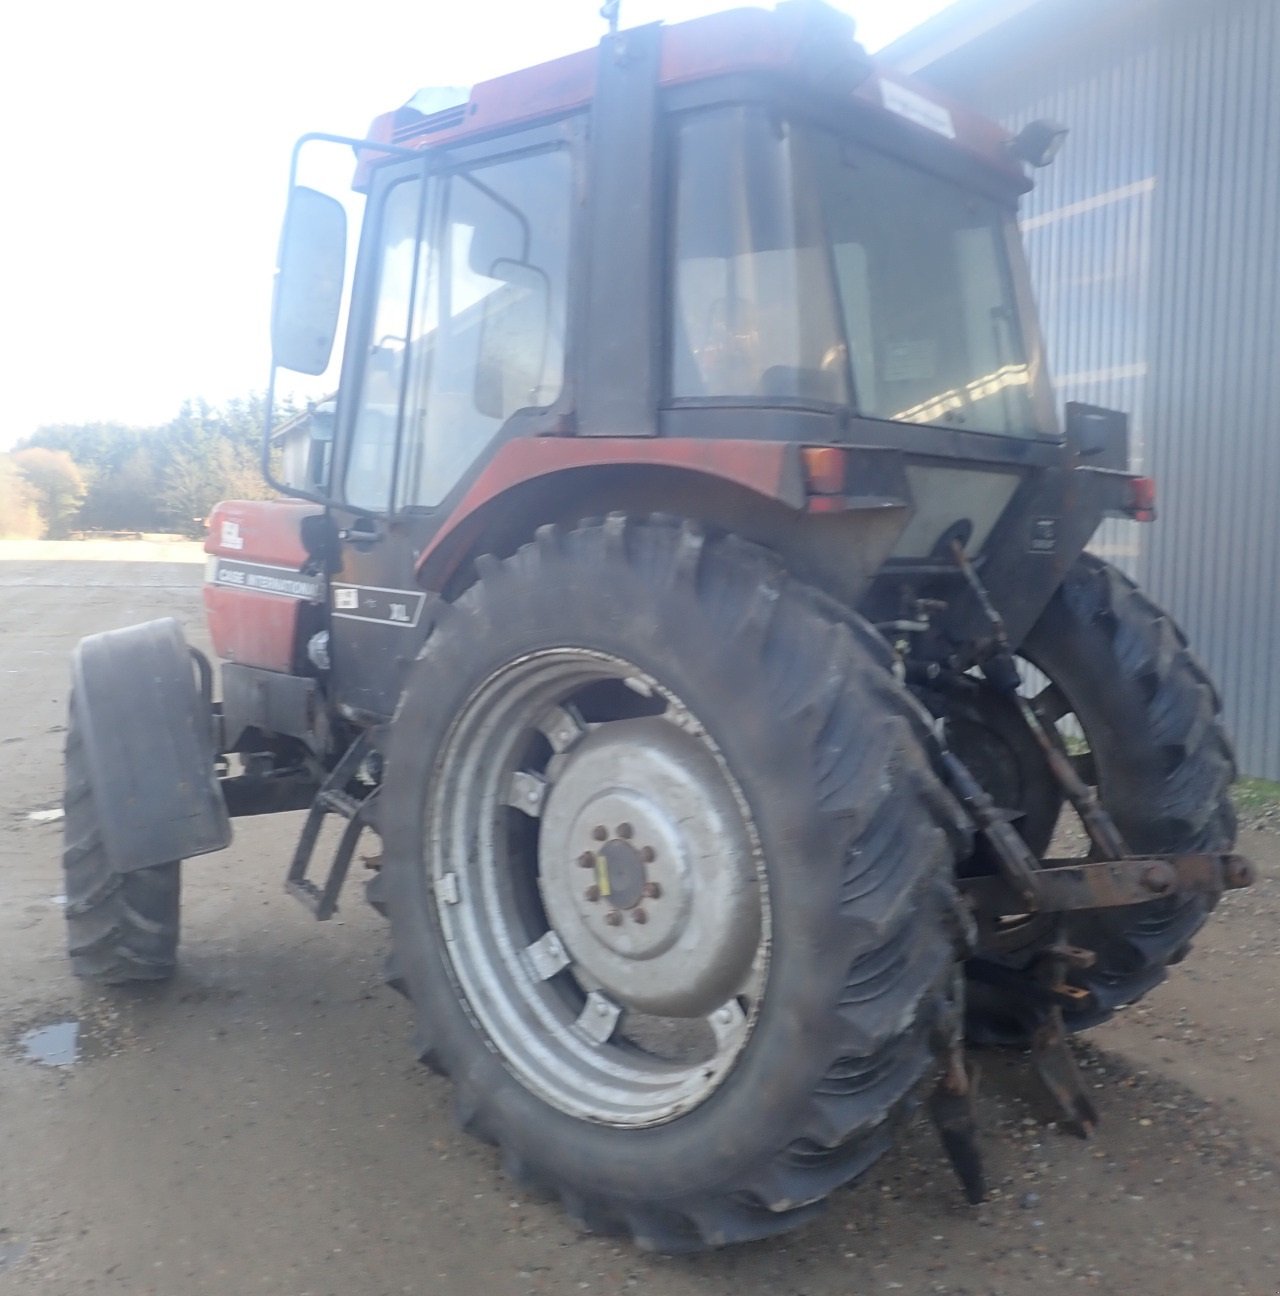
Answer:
(1056, 1066)
(1050, 1052)
(1062, 885)
(951, 1107)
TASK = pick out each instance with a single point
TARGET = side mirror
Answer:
(308, 295)
(514, 332)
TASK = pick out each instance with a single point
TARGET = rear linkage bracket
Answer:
(951, 1105)
(1026, 884)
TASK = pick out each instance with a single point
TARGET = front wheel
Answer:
(121, 926)
(669, 879)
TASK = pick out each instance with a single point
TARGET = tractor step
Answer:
(332, 799)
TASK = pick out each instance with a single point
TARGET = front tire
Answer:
(762, 753)
(121, 927)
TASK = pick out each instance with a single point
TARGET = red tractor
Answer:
(689, 589)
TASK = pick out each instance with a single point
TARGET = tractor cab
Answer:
(676, 267)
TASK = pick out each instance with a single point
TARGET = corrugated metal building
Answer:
(1154, 242)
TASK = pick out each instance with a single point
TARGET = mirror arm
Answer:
(357, 145)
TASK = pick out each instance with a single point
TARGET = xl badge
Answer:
(1044, 535)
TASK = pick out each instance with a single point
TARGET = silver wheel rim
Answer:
(600, 887)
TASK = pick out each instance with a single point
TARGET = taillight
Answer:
(1141, 504)
(824, 469)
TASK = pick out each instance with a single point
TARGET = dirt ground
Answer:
(259, 1126)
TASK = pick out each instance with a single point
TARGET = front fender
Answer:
(149, 745)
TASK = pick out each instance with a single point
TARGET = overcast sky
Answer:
(146, 156)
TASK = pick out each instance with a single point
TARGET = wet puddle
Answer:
(96, 1032)
(55, 1045)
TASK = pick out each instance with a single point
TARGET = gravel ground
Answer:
(258, 1125)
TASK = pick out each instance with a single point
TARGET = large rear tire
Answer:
(709, 1073)
(121, 927)
(1163, 768)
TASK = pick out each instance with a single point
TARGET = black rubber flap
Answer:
(149, 740)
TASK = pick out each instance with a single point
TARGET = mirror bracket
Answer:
(1098, 435)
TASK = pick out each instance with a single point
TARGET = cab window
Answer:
(470, 323)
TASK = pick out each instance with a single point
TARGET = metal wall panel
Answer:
(1154, 241)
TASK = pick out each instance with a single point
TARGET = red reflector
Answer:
(824, 469)
(825, 504)
(1141, 505)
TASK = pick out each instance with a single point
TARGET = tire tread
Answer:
(121, 926)
(827, 675)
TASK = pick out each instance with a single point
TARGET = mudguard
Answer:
(149, 742)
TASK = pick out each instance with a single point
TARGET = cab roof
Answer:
(800, 39)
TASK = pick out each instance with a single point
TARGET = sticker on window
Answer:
(915, 107)
(910, 361)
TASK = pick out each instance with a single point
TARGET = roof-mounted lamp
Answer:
(1038, 142)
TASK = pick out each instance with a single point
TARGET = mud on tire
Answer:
(1163, 767)
(856, 845)
(121, 927)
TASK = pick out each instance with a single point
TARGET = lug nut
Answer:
(600, 833)
(639, 916)
(625, 830)
(613, 917)
(648, 854)
(1157, 878)
(592, 893)
(1240, 872)
(652, 890)
(587, 860)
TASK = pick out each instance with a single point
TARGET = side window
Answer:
(406, 281)
(493, 333)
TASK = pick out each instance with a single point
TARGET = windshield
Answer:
(812, 268)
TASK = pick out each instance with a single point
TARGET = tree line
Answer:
(111, 477)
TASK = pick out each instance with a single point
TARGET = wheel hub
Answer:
(647, 872)
(621, 870)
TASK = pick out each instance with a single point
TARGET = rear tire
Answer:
(1163, 768)
(855, 845)
(121, 927)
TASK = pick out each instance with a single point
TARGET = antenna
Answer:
(609, 12)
